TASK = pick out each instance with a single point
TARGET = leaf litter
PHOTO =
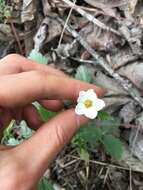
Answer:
(100, 42)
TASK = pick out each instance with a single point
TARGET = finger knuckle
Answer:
(40, 74)
(60, 135)
(12, 56)
(41, 77)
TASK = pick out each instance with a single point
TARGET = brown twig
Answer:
(103, 164)
(62, 34)
(92, 18)
(16, 37)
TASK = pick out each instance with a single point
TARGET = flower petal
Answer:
(80, 109)
(99, 104)
(90, 91)
(91, 113)
(91, 95)
(81, 95)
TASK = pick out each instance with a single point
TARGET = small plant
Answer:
(5, 11)
(15, 133)
(101, 131)
(83, 74)
(44, 184)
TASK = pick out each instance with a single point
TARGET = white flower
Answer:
(88, 104)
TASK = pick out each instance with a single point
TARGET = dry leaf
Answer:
(28, 10)
(134, 72)
(131, 162)
(109, 84)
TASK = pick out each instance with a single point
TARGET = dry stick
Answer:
(82, 7)
(62, 34)
(103, 164)
(106, 175)
(132, 91)
(135, 139)
(91, 18)
(16, 37)
(130, 174)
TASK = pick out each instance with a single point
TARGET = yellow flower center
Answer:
(88, 103)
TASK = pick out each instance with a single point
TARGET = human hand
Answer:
(22, 82)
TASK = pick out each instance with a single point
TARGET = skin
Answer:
(22, 82)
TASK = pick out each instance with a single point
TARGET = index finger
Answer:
(14, 63)
(23, 88)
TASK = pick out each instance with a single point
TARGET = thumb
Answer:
(46, 143)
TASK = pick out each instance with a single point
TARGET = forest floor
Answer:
(106, 38)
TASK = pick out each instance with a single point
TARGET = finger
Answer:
(23, 88)
(3, 147)
(44, 145)
(52, 105)
(15, 63)
(31, 116)
(5, 118)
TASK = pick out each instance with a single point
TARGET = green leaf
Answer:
(88, 134)
(83, 74)
(9, 128)
(9, 135)
(84, 155)
(38, 57)
(45, 114)
(5, 10)
(92, 134)
(107, 123)
(102, 115)
(100, 130)
(113, 146)
(44, 184)
(13, 142)
(25, 131)
(7, 132)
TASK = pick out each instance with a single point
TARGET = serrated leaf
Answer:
(100, 131)
(109, 126)
(113, 123)
(44, 184)
(107, 123)
(83, 74)
(102, 115)
(84, 155)
(92, 135)
(38, 57)
(89, 133)
(113, 146)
